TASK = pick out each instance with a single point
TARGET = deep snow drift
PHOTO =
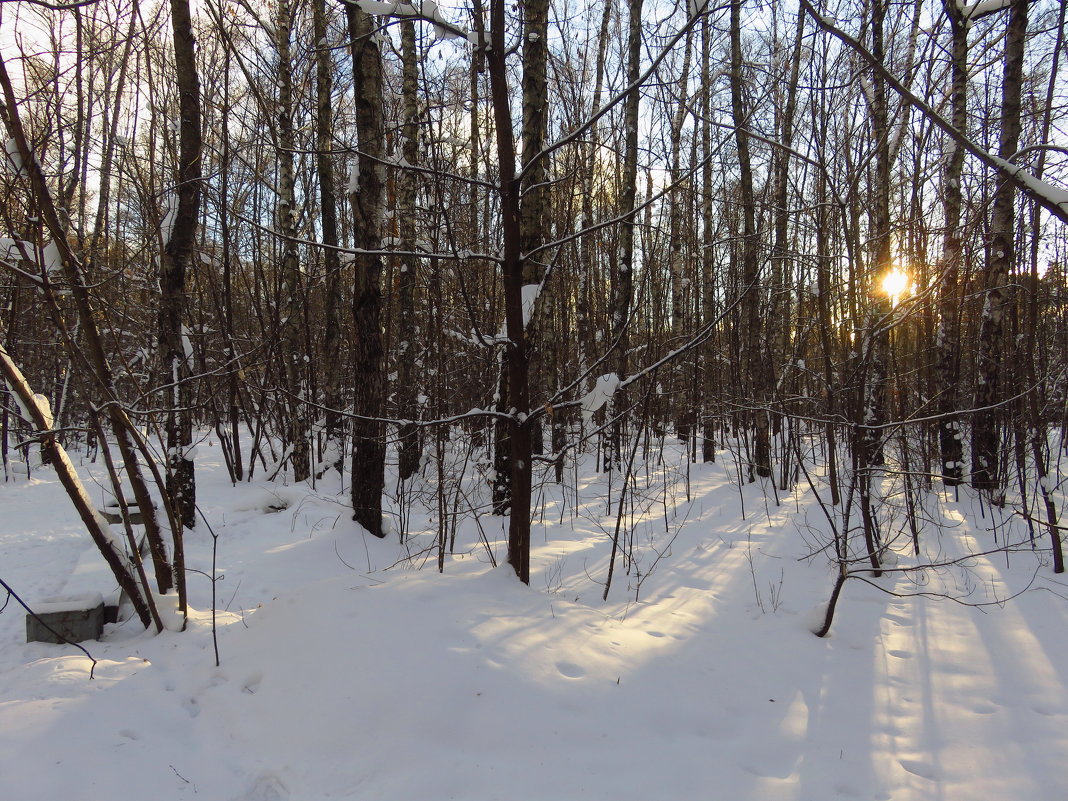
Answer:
(347, 672)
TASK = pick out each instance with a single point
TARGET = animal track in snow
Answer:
(922, 769)
(252, 683)
(571, 670)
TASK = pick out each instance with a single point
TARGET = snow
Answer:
(1054, 194)
(602, 393)
(68, 603)
(427, 10)
(168, 215)
(13, 163)
(44, 407)
(982, 8)
(187, 345)
(348, 673)
(530, 294)
(377, 8)
(353, 185)
(12, 249)
(52, 258)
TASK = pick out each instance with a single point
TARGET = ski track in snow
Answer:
(372, 680)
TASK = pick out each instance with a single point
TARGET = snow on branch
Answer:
(597, 397)
(530, 297)
(13, 162)
(427, 11)
(982, 8)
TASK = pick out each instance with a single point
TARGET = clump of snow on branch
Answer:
(601, 394)
(530, 297)
(12, 249)
(52, 259)
(981, 8)
(427, 10)
(170, 211)
(44, 406)
(13, 159)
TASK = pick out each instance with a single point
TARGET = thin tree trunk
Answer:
(534, 192)
(233, 366)
(753, 329)
(408, 334)
(175, 264)
(588, 252)
(678, 259)
(333, 433)
(516, 357)
(368, 204)
(947, 337)
(293, 290)
(986, 462)
(708, 276)
(623, 286)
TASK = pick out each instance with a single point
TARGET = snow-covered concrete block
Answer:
(76, 618)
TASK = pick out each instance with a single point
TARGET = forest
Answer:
(476, 244)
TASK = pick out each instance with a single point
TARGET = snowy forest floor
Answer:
(348, 673)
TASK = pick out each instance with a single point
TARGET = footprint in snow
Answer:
(571, 670)
(1038, 709)
(922, 769)
(266, 787)
(190, 705)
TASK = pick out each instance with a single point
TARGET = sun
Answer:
(896, 284)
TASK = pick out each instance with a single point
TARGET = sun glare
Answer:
(896, 285)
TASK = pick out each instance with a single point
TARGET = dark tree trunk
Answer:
(324, 132)
(517, 362)
(177, 255)
(1001, 255)
(409, 448)
(947, 337)
(708, 272)
(623, 284)
(293, 284)
(368, 429)
(753, 329)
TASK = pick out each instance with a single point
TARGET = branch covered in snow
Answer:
(601, 394)
(982, 8)
(427, 11)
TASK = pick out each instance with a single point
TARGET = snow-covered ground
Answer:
(349, 673)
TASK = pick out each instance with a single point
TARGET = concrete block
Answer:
(113, 514)
(77, 618)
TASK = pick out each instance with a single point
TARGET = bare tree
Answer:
(175, 265)
(1001, 257)
(368, 204)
